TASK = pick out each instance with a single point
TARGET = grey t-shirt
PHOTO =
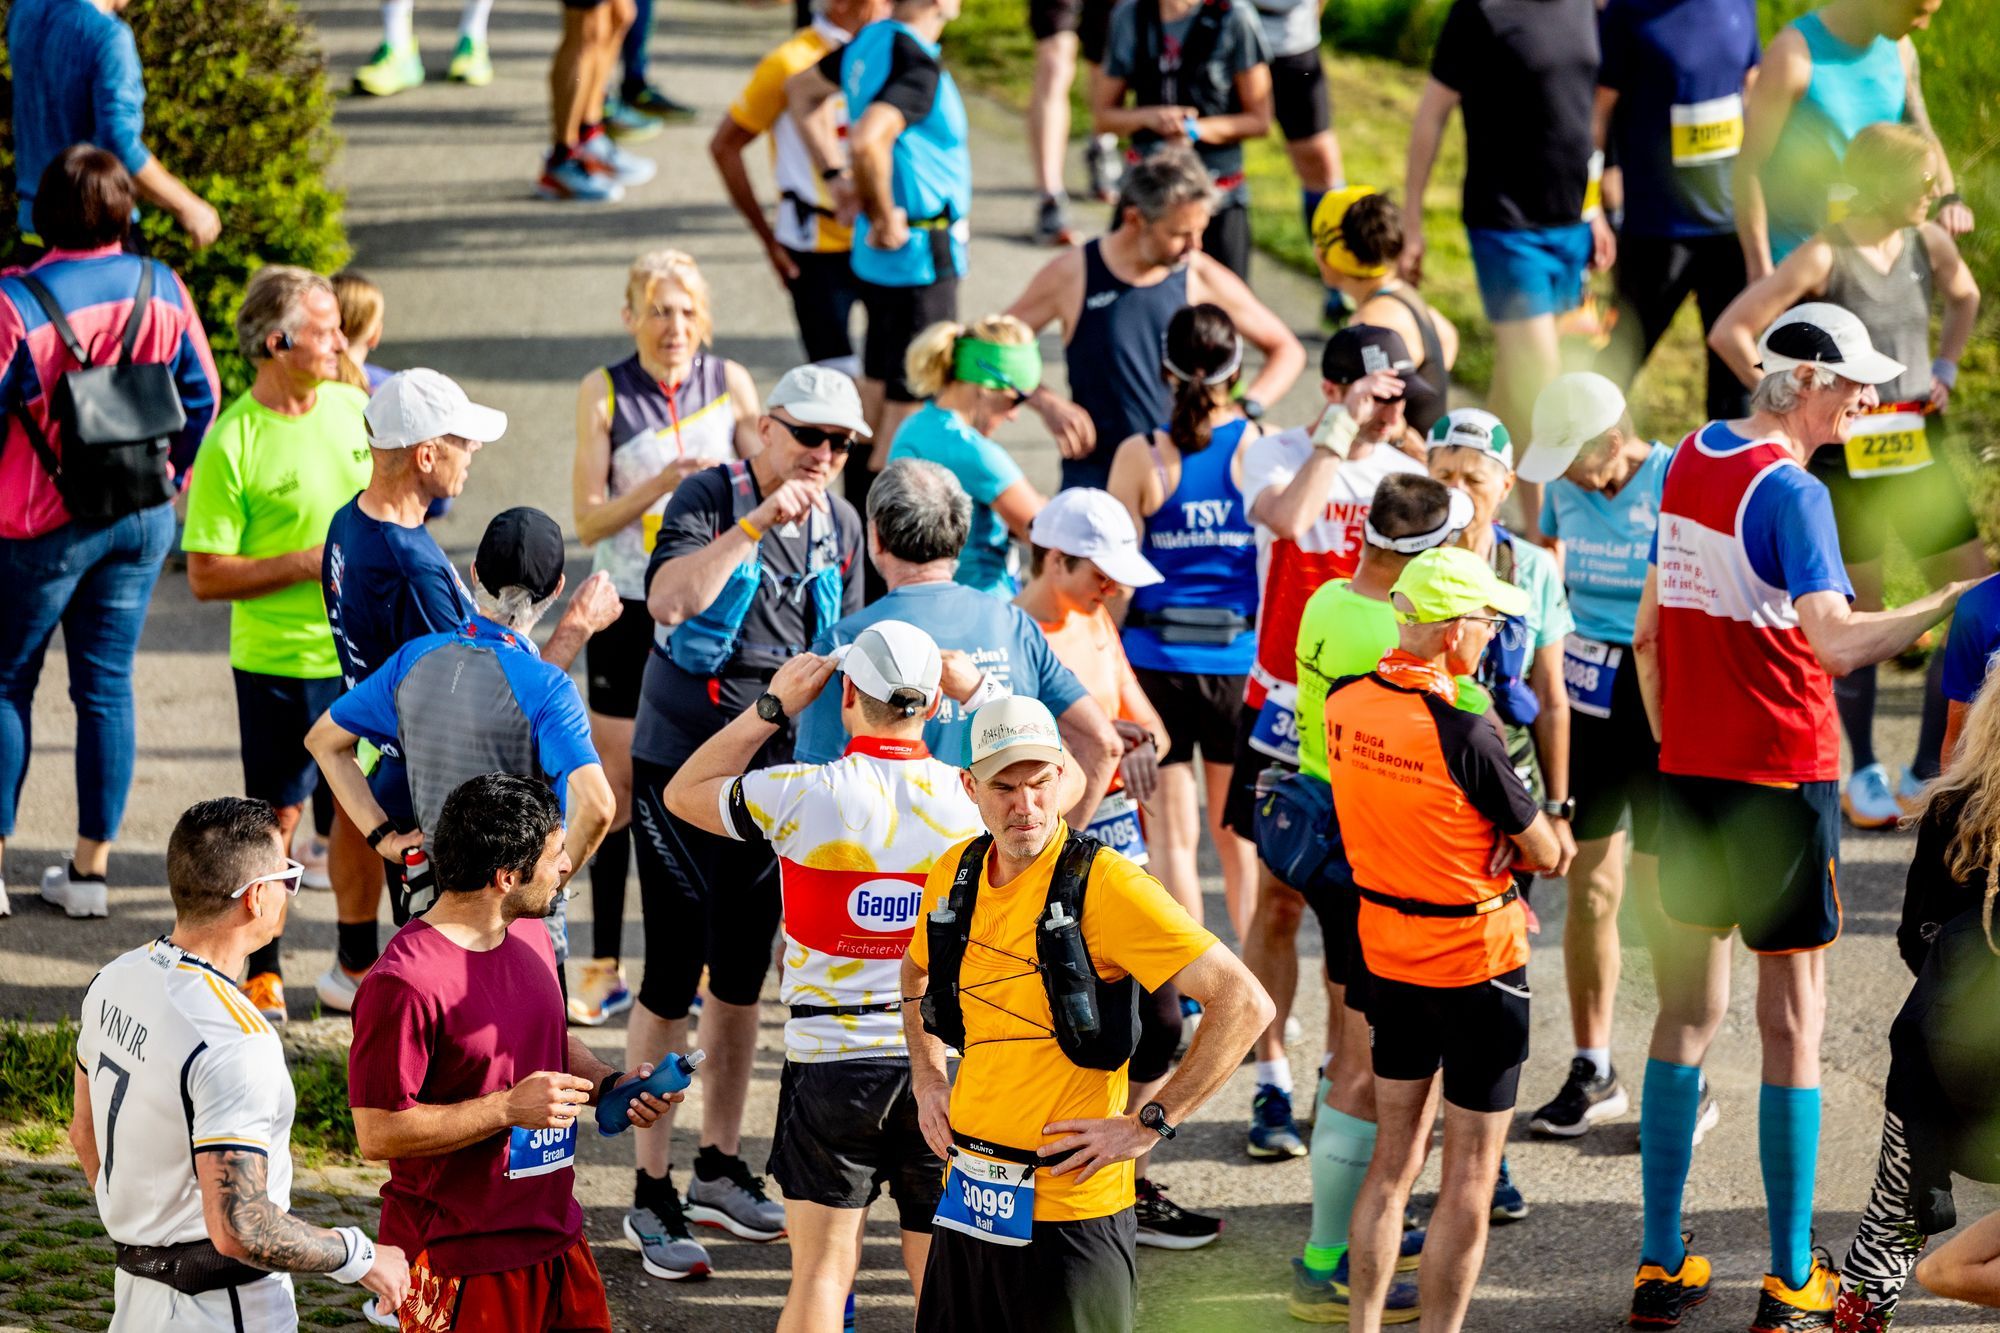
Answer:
(1239, 46)
(1291, 27)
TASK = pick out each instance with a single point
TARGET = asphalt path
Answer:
(517, 298)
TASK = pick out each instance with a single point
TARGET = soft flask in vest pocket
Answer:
(703, 644)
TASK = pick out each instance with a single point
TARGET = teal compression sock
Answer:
(1341, 1147)
(1666, 1149)
(1788, 1146)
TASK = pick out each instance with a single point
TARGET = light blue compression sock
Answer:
(1666, 1148)
(1788, 1146)
(1341, 1147)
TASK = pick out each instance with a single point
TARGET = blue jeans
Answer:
(95, 580)
(636, 59)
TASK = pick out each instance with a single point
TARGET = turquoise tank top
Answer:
(1852, 88)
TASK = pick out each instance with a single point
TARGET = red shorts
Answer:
(563, 1294)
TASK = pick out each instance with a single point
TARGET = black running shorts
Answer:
(1299, 98)
(615, 659)
(896, 315)
(1614, 766)
(1477, 1034)
(848, 1128)
(1073, 1277)
(1763, 861)
(1200, 711)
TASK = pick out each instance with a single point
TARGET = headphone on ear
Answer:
(284, 341)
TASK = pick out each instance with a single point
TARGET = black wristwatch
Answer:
(1154, 1117)
(382, 830)
(1252, 409)
(831, 173)
(770, 709)
(1564, 810)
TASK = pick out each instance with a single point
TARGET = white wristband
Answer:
(989, 688)
(360, 1255)
(1336, 431)
(1945, 369)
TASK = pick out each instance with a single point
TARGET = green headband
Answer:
(1005, 366)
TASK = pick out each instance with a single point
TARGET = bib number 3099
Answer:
(988, 1198)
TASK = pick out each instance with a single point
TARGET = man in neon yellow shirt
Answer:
(1344, 630)
(279, 463)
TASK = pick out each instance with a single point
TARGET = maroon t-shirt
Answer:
(436, 1023)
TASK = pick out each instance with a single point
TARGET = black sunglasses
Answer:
(812, 437)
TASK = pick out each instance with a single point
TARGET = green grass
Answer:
(35, 1065)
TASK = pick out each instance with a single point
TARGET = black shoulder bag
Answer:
(116, 421)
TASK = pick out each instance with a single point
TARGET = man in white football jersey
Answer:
(184, 1105)
(854, 839)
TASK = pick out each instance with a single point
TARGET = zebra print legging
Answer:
(1888, 1241)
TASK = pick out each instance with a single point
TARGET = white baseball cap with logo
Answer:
(416, 406)
(1092, 525)
(1013, 730)
(1832, 337)
(893, 657)
(1473, 428)
(1570, 412)
(817, 395)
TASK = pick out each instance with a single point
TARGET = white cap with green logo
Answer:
(1473, 428)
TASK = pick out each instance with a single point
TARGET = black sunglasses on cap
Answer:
(812, 437)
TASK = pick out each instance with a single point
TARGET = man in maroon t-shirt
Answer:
(464, 1077)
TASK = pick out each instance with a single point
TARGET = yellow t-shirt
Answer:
(761, 109)
(1007, 1090)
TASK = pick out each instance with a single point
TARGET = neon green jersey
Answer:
(266, 484)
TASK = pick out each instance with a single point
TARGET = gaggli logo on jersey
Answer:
(884, 905)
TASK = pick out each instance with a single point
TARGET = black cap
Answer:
(522, 548)
(1360, 349)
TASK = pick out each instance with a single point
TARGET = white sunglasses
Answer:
(289, 877)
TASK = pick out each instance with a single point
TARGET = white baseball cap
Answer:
(891, 657)
(416, 406)
(1011, 731)
(1091, 525)
(820, 396)
(1571, 412)
(1820, 333)
(1473, 428)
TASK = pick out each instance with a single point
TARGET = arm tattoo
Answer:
(271, 1237)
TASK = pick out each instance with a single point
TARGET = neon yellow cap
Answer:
(1449, 582)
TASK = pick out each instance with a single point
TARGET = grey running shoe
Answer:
(724, 1194)
(1052, 224)
(1106, 165)
(665, 1247)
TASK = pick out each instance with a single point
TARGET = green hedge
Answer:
(236, 106)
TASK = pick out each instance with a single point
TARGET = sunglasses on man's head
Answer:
(812, 437)
(289, 877)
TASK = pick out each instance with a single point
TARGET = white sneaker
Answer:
(84, 898)
(1868, 801)
(6, 908)
(372, 1312)
(312, 855)
(336, 989)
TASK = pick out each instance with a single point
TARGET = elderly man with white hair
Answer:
(1744, 620)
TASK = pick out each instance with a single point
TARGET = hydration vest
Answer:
(1096, 1022)
(1190, 83)
(1504, 670)
(712, 638)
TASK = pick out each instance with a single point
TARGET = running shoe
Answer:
(1052, 224)
(1106, 166)
(6, 908)
(1783, 1309)
(650, 101)
(1324, 1300)
(724, 1194)
(627, 125)
(1660, 1298)
(1867, 801)
(265, 991)
(1273, 1133)
(601, 153)
(600, 994)
(77, 895)
(1710, 1113)
(336, 987)
(1508, 1203)
(1584, 1100)
(374, 1314)
(661, 1233)
(1855, 1313)
(1165, 1225)
(313, 857)
(572, 178)
(1910, 792)
(471, 63)
(391, 70)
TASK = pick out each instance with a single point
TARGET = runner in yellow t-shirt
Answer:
(1019, 1244)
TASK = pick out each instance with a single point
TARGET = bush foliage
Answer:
(236, 106)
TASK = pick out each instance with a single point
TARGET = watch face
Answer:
(769, 708)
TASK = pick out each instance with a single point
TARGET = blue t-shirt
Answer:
(547, 712)
(385, 585)
(1975, 639)
(931, 167)
(1605, 544)
(77, 79)
(1787, 528)
(1677, 67)
(985, 470)
(1002, 638)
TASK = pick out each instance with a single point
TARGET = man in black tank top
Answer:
(1113, 298)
